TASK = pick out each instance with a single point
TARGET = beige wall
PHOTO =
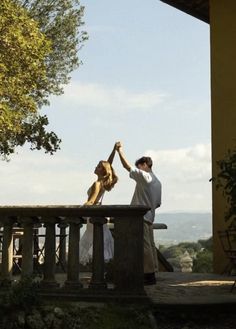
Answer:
(223, 96)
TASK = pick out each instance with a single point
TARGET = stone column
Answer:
(7, 252)
(27, 250)
(36, 252)
(73, 254)
(50, 255)
(128, 258)
(62, 244)
(98, 281)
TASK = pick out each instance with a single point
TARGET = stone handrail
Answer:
(128, 245)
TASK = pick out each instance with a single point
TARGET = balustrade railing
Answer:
(63, 247)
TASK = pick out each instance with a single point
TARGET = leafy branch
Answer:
(226, 181)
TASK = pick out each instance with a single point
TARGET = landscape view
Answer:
(183, 227)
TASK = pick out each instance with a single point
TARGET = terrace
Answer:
(59, 272)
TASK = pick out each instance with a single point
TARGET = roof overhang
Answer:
(196, 8)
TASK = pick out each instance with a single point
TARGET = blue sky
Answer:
(145, 81)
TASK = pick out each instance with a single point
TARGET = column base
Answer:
(74, 285)
(44, 284)
(97, 285)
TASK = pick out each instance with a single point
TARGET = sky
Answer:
(145, 81)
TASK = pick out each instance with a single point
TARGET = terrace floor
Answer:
(175, 288)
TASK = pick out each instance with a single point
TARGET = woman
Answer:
(106, 179)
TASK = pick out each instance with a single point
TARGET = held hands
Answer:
(117, 146)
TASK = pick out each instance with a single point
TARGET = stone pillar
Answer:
(27, 250)
(50, 254)
(36, 252)
(97, 281)
(223, 97)
(7, 252)
(73, 254)
(62, 244)
(128, 258)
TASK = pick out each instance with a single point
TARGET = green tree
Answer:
(61, 21)
(38, 49)
(172, 251)
(206, 244)
(191, 247)
(203, 262)
(23, 49)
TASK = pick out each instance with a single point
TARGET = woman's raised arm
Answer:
(112, 155)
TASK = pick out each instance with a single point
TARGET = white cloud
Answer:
(96, 96)
(185, 175)
(186, 164)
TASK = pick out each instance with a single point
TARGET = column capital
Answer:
(74, 220)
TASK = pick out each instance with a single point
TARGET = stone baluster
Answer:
(97, 281)
(7, 252)
(62, 246)
(36, 242)
(50, 255)
(73, 254)
(128, 254)
(27, 249)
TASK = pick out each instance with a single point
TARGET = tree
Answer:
(203, 263)
(172, 252)
(206, 244)
(191, 247)
(200, 252)
(23, 49)
(38, 50)
(60, 21)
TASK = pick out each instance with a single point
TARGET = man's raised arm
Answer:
(123, 160)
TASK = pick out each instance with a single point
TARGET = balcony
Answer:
(59, 244)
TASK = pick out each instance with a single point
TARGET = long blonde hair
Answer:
(109, 179)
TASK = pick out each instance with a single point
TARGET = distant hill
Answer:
(183, 227)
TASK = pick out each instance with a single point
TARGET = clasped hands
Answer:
(117, 146)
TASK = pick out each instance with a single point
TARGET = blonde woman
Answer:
(106, 179)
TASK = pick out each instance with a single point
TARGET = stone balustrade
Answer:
(128, 247)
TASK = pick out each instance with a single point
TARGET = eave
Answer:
(196, 8)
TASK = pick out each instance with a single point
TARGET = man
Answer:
(147, 193)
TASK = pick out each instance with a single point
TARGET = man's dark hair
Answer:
(143, 160)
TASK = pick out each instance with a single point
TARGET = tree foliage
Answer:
(203, 263)
(175, 251)
(60, 21)
(226, 181)
(39, 41)
(206, 244)
(200, 252)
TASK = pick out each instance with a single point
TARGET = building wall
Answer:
(223, 97)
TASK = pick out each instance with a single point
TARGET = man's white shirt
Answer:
(147, 191)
